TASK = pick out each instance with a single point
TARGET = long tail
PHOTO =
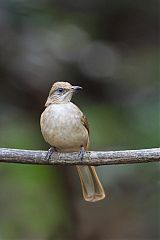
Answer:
(91, 186)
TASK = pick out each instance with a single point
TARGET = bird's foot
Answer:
(81, 153)
(50, 152)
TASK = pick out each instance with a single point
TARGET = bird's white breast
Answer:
(62, 128)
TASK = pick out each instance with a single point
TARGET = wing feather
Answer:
(85, 122)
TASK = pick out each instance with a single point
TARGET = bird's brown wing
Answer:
(85, 122)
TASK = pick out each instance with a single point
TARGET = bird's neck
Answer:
(55, 101)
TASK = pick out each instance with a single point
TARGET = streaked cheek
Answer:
(55, 97)
(68, 95)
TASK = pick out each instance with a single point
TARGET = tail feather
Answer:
(91, 186)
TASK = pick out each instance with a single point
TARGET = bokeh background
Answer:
(110, 48)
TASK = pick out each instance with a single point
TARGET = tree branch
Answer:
(90, 158)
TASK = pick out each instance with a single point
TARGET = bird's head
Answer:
(61, 92)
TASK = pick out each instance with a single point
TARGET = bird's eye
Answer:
(60, 90)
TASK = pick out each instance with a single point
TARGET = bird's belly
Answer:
(64, 131)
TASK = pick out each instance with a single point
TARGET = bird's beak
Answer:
(76, 88)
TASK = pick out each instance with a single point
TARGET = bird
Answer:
(66, 129)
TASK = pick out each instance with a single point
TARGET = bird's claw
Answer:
(81, 153)
(50, 152)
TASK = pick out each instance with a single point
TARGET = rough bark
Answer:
(90, 158)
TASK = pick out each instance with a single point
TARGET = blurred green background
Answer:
(110, 48)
